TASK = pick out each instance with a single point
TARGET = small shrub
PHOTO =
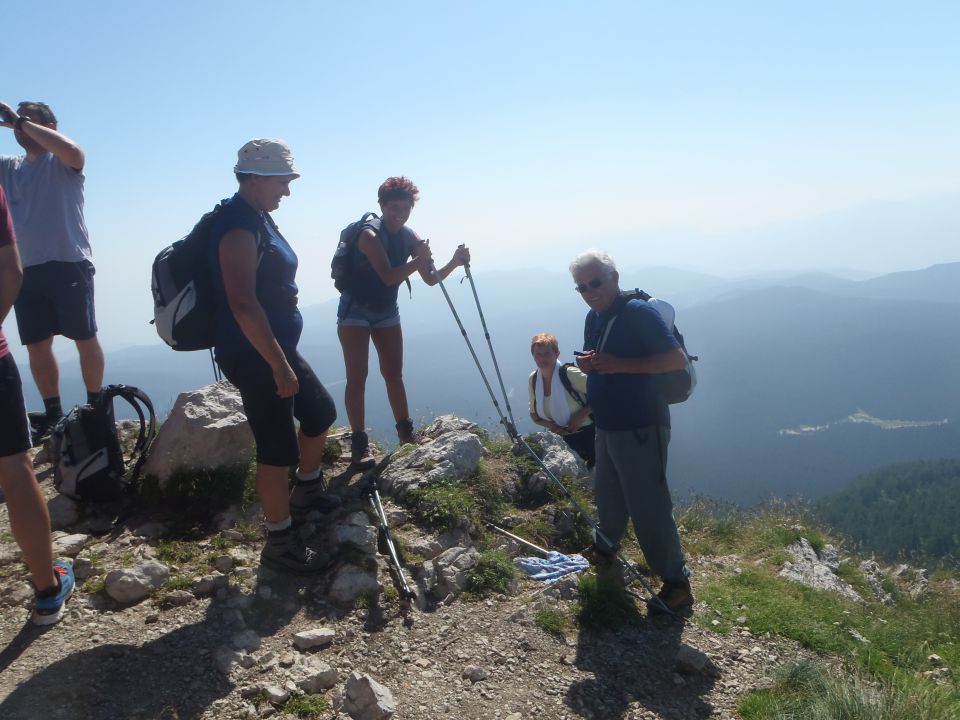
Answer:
(492, 574)
(444, 505)
(177, 552)
(95, 585)
(552, 620)
(307, 707)
(178, 583)
(366, 600)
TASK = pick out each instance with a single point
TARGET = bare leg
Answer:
(311, 451)
(43, 366)
(272, 492)
(389, 344)
(355, 342)
(91, 363)
(29, 518)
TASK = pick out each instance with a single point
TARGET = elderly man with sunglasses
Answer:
(627, 343)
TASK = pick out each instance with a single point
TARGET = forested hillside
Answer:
(907, 510)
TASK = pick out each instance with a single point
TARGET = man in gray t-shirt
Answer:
(44, 190)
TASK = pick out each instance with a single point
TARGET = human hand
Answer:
(423, 255)
(286, 380)
(584, 360)
(461, 255)
(8, 117)
(605, 363)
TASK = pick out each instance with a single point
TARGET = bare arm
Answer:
(607, 364)
(11, 277)
(371, 246)
(69, 153)
(461, 256)
(238, 264)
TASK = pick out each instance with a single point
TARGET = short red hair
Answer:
(545, 339)
(398, 188)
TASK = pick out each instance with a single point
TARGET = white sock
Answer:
(309, 477)
(279, 525)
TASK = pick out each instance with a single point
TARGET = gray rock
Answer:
(357, 530)
(558, 457)
(452, 566)
(276, 695)
(205, 429)
(808, 569)
(223, 563)
(320, 677)
(475, 673)
(246, 640)
(131, 585)
(444, 424)
(209, 584)
(690, 661)
(9, 553)
(351, 581)
(830, 557)
(366, 699)
(64, 512)
(425, 546)
(227, 660)
(453, 456)
(455, 537)
(179, 598)
(314, 638)
(68, 545)
(874, 575)
(17, 595)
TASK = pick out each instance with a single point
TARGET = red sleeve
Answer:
(6, 222)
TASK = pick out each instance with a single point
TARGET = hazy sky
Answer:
(719, 137)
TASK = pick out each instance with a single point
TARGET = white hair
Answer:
(593, 258)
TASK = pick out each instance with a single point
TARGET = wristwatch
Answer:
(20, 121)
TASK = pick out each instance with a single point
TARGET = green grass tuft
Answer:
(307, 707)
(492, 574)
(553, 620)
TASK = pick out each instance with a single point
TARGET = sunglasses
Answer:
(592, 285)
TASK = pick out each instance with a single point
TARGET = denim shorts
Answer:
(353, 313)
(56, 299)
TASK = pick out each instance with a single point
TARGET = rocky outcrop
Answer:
(557, 457)
(818, 571)
(454, 454)
(206, 429)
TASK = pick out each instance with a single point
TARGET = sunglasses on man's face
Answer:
(592, 285)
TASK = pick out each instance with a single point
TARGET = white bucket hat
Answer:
(266, 157)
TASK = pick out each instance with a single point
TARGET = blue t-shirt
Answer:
(46, 201)
(625, 401)
(276, 279)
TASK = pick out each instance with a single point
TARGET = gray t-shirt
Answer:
(46, 201)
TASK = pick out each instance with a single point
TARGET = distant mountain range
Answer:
(775, 353)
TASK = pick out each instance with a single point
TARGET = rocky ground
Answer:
(163, 626)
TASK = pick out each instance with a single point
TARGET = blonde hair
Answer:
(545, 339)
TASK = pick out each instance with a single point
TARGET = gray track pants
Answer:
(630, 482)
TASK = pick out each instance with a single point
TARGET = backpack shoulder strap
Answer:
(533, 382)
(139, 401)
(568, 386)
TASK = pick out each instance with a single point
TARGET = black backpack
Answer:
(184, 303)
(676, 386)
(341, 267)
(85, 449)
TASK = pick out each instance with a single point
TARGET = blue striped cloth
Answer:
(552, 567)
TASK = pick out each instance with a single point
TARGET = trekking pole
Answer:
(373, 495)
(508, 424)
(517, 538)
(486, 333)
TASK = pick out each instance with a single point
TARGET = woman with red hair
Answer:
(385, 256)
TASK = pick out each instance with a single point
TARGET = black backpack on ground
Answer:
(85, 449)
(184, 303)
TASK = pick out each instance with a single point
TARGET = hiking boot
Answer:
(41, 427)
(677, 596)
(598, 557)
(360, 456)
(48, 608)
(405, 431)
(307, 497)
(283, 553)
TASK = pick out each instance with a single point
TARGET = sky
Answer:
(726, 138)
